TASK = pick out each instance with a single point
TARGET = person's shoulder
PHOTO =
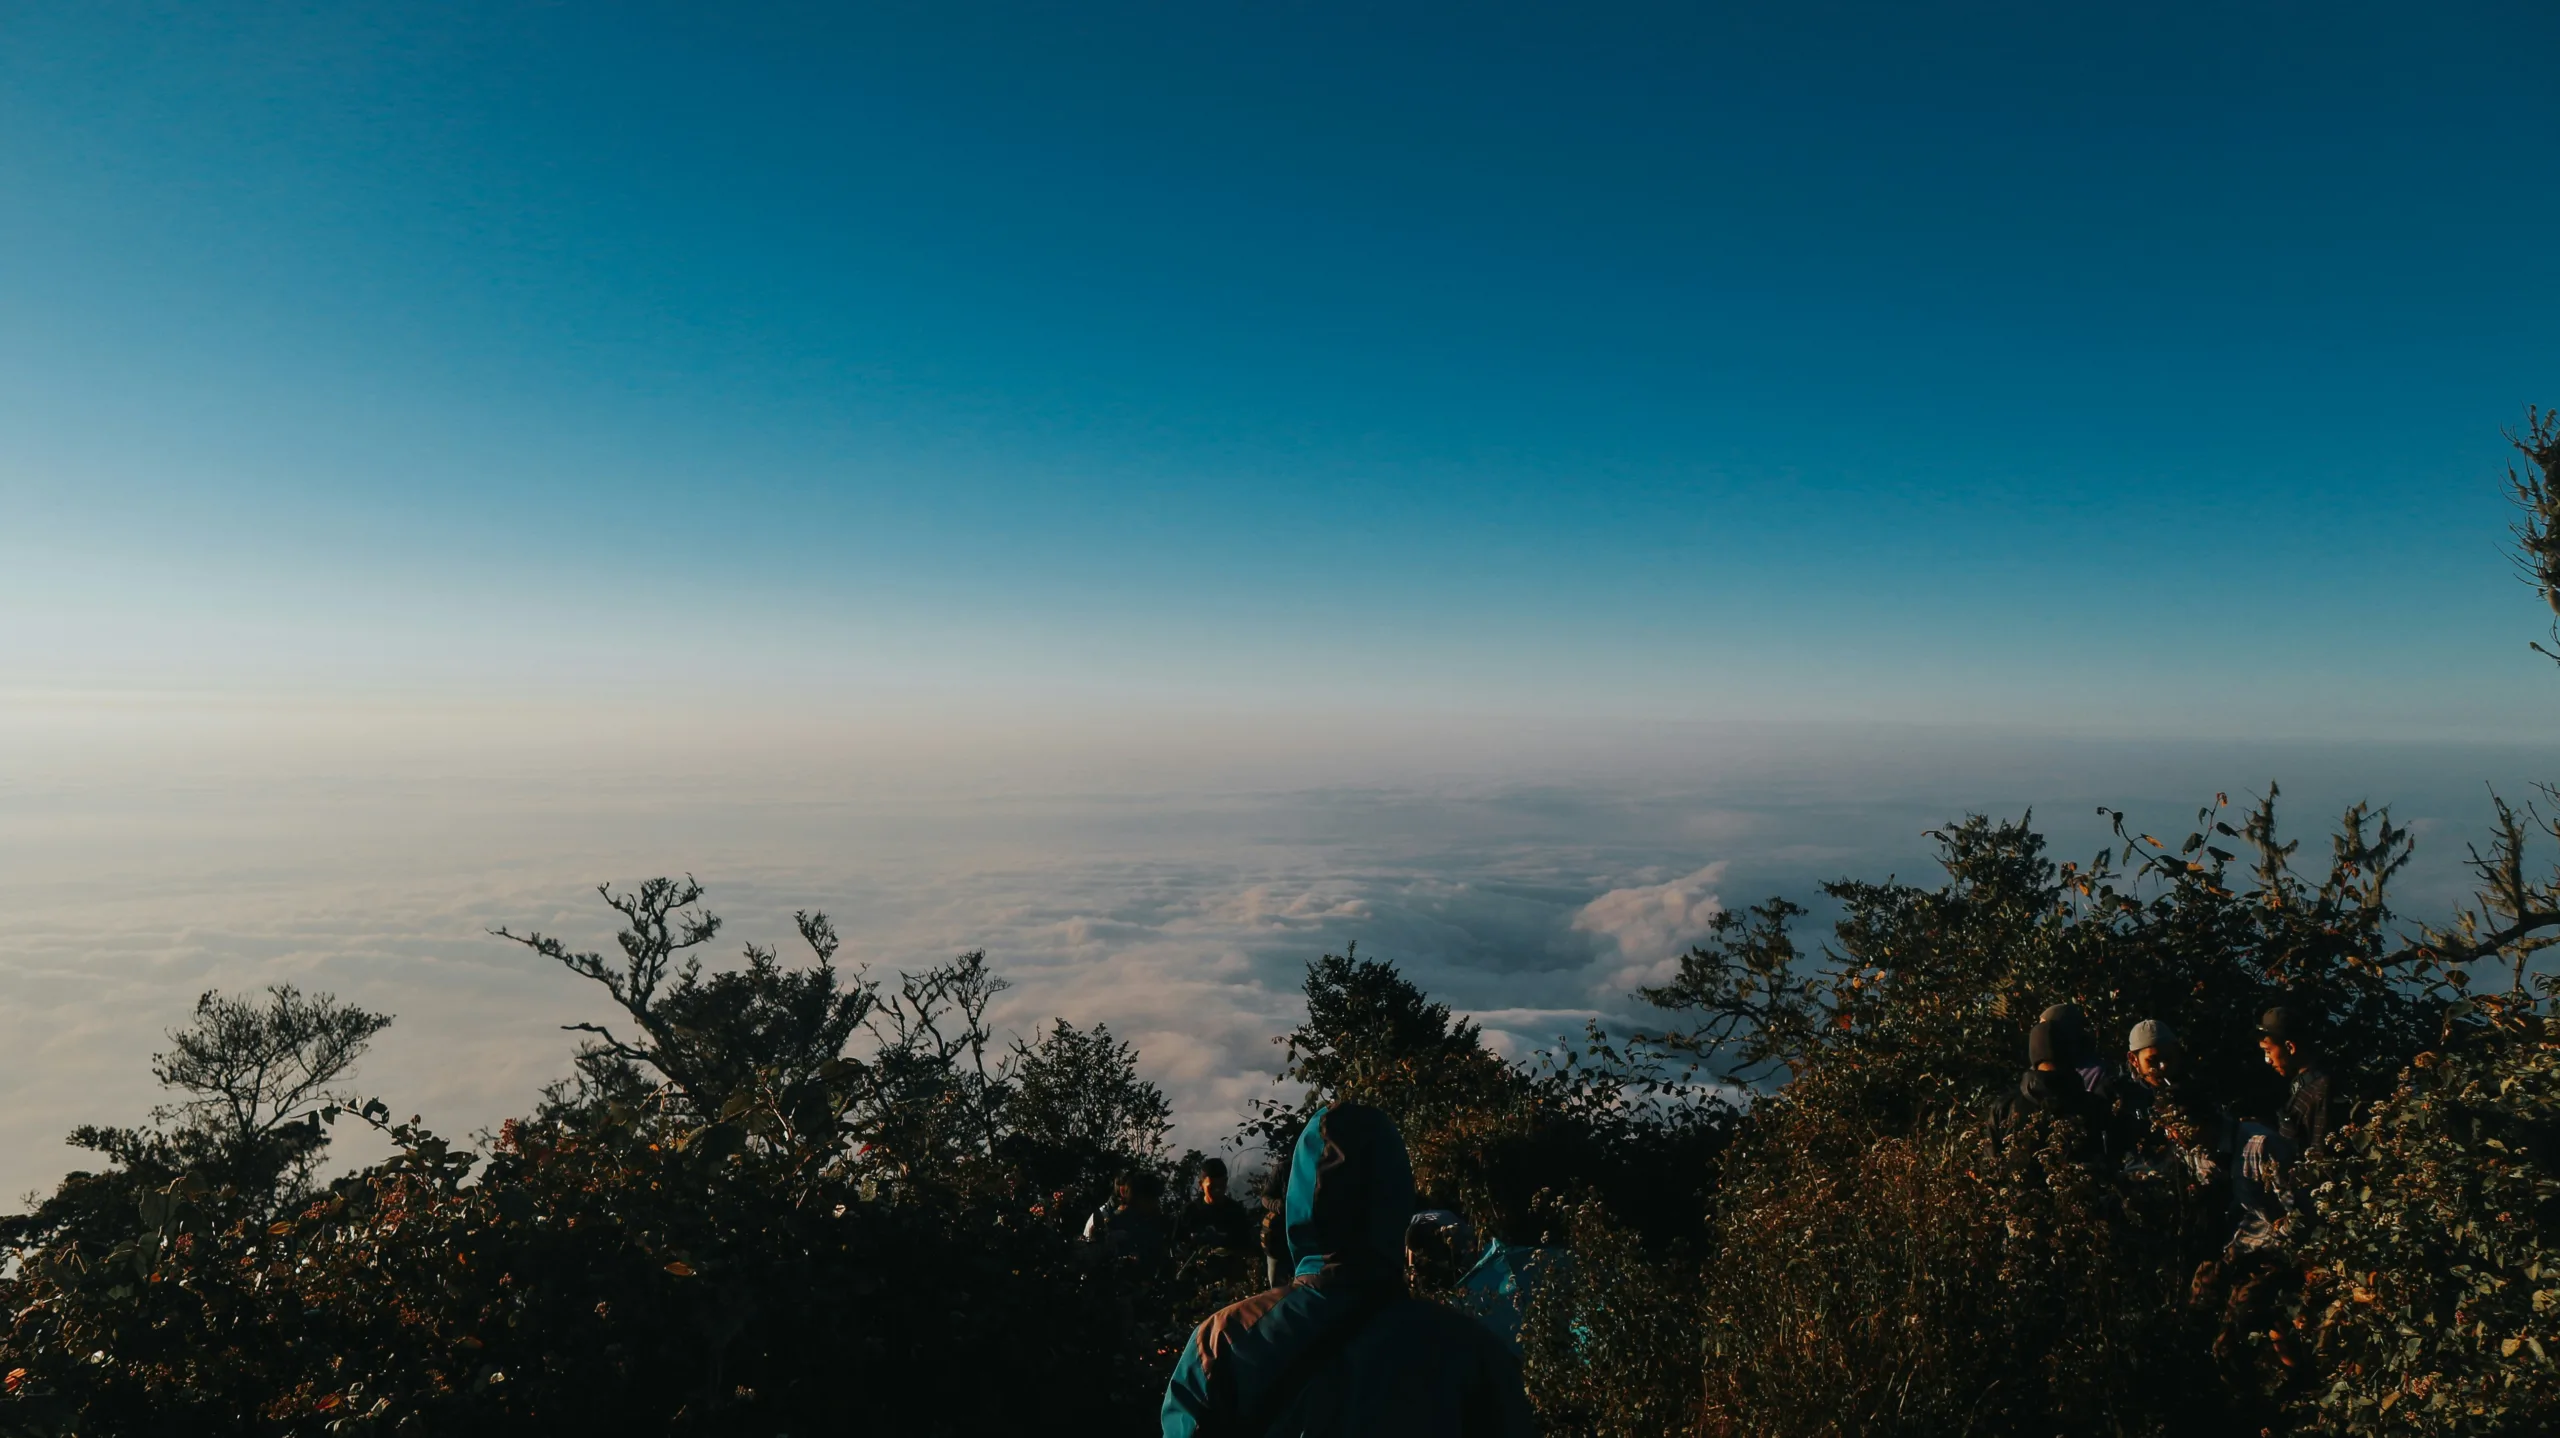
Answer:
(1220, 1330)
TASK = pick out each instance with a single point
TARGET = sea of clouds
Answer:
(1170, 878)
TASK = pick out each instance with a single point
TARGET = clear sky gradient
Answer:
(2080, 367)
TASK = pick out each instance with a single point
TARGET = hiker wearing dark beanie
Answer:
(2051, 1087)
(2076, 1049)
(2048, 1043)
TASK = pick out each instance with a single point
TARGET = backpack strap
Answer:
(1304, 1365)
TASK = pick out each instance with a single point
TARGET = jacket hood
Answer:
(1350, 1191)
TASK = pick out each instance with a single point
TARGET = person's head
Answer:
(1350, 1192)
(2284, 1039)
(1213, 1180)
(1439, 1247)
(2152, 1049)
(2072, 1045)
(1138, 1190)
(2046, 1046)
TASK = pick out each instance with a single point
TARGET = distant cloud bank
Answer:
(1532, 888)
(1654, 924)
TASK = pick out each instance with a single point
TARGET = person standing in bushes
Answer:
(2078, 1049)
(1499, 1286)
(2262, 1190)
(1130, 1227)
(1344, 1351)
(1211, 1219)
(1439, 1247)
(2156, 1059)
(2174, 1127)
(2285, 1040)
(2255, 1278)
(2054, 1087)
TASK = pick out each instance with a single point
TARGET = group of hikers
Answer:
(1134, 1228)
(2155, 1118)
(1383, 1317)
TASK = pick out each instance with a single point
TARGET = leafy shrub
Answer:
(2434, 1299)
(584, 1283)
(1957, 1278)
(1611, 1338)
(1890, 1256)
(774, 1199)
(1503, 1142)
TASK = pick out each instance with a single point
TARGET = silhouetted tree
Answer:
(251, 1081)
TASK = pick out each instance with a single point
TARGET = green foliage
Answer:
(759, 1048)
(2535, 488)
(252, 1081)
(773, 1199)
(1611, 1339)
(1927, 996)
(1889, 1254)
(1956, 1278)
(1508, 1144)
(587, 1282)
(252, 1072)
(1077, 1113)
(1372, 1036)
(2434, 1297)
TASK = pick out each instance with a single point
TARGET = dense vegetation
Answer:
(787, 1198)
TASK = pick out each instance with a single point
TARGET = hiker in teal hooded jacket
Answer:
(1498, 1288)
(1342, 1351)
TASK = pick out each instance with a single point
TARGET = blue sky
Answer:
(1992, 365)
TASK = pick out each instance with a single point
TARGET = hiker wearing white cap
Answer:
(2154, 1054)
(2177, 1127)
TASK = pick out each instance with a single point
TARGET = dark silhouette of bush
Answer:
(773, 1200)
(244, 1136)
(1612, 1343)
(1508, 1144)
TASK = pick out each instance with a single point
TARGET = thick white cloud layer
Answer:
(1183, 920)
(1653, 924)
(1177, 905)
